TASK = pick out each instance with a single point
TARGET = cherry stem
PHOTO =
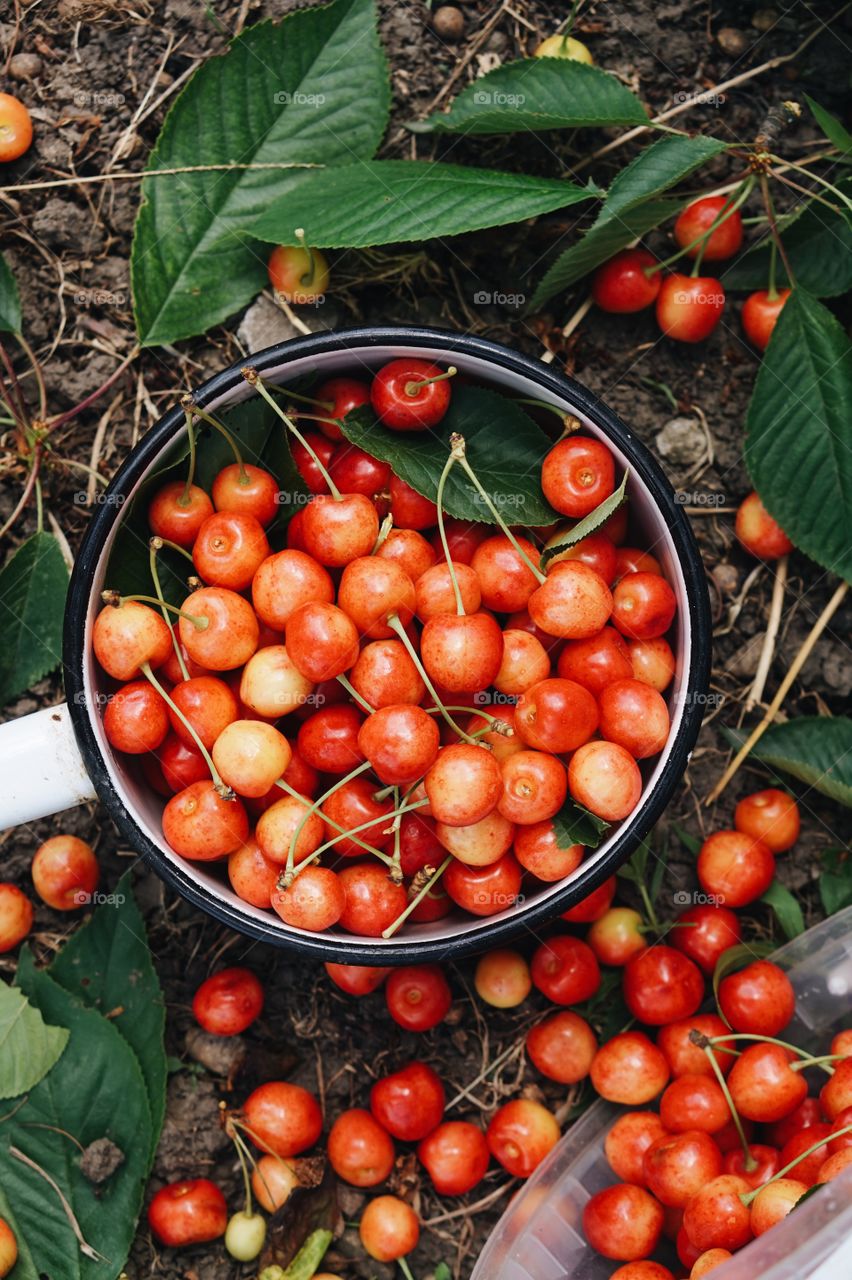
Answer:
(362, 826)
(772, 291)
(418, 898)
(173, 546)
(155, 545)
(297, 795)
(457, 442)
(403, 1265)
(319, 404)
(224, 791)
(747, 1197)
(242, 1151)
(807, 1060)
(183, 500)
(413, 388)
(190, 407)
(817, 1062)
(383, 534)
(569, 422)
(439, 501)
(396, 626)
(309, 276)
(254, 380)
(735, 199)
(353, 693)
(749, 1162)
(113, 599)
(311, 810)
(396, 873)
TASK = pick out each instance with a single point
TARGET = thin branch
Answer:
(121, 176)
(767, 651)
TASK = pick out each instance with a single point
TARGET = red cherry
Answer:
(574, 602)
(617, 936)
(16, 917)
(177, 513)
(253, 877)
(534, 786)
(506, 580)
(629, 1069)
(598, 552)
(771, 816)
(774, 1201)
(435, 593)
(409, 1104)
(248, 490)
(456, 1156)
(704, 933)
(698, 217)
(462, 538)
(400, 742)
(181, 765)
(356, 979)
(229, 548)
(556, 716)
(384, 675)
(520, 1135)
(341, 396)
(627, 1141)
(562, 1047)
(354, 471)
(410, 509)
(836, 1095)
(689, 307)
(734, 868)
(661, 984)
(410, 394)
(228, 1002)
(577, 475)
(354, 805)
(622, 285)
(760, 315)
(189, 1212)
(282, 1119)
(715, 1216)
(605, 779)
(209, 706)
(462, 653)
(635, 716)
(643, 606)
(359, 1149)
(565, 970)
(337, 530)
(763, 1085)
(200, 825)
(761, 536)
(284, 582)
(807, 1170)
(306, 462)
(418, 996)
(694, 1103)
(538, 849)
(808, 1113)
(410, 550)
(126, 636)
(593, 906)
(676, 1166)
(373, 900)
(765, 1163)
(322, 640)
(328, 739)
(525, 662)
(314, 901)
(484, 891)
(230, 637)
(623, 1222)
(759, 999)
(653, 662)
(463, 785)
(372, 590)
(65, 872)
(136, 718)
(686, 1058)
(388, 1229)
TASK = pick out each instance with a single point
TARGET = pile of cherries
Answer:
(379, 723)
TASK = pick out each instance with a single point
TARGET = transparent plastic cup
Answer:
(540, 1235)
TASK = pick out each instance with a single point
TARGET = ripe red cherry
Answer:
(807, 1170)
(759, 999)
(596, 662)
(410, 509)
(735, 868)
(605, 779)
(676, 1166)
(201, 826)
(525, 662)
(534, 786)
(703, 933)
(480, 844)
(694, 1103)
(686, 1058)
(462, 654)
(228, 1002)
(715, 1216)
(314, 901)
(337, 530)
(284, 582)
(689, 307)
(354, 471)
(356, 979)
(771, 816)
(462, 538)
(593, 906)
(617, 936)
(229, 549)
(484, 891)
(506, 580)
(760, 315)
(629, 1069)
(577, 475)
(328, 740)
(653, 661)
(635, 716)
(283, 1119)
(774, 1201)
(698, 217)
(388, 1229)
(371, 590)
(562, 1047)
(231, 633)
(65, 872)
(456, 1157)
(400, 742)
(435, 595)
(359, 1149)
(556, 716)
(808, 1113)
(409, 1104)
(836, 1094)
(574, 602)
(598, 552)
(306, 462)
(340, 396)
(321, 640)
(418, 996)
(661, 984)
(622, 285)
(539, 851)
(643, 606)
(385, 674)
(253, 877)
(298, 273)
(372, 900)
(635, 560)
(521, 1133)
(181, 765)
(410, 394)
(565, 969)
(761, 536)
(763, 1085)
(248, 490)
(208, 704)
(128, 635)
(251, 756)
(627, 1141)
(189, 1212)
(766, 1163)
(410, 550)
(8, 1248)
(136, 718)
(177, 513)
(463, 785)
(623, 1222)
(16, 916)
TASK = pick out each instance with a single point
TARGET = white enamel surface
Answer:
(145, 807)
(41, 767)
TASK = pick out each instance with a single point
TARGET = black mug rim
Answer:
(490, 932)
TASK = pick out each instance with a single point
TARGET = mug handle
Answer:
(41, 767)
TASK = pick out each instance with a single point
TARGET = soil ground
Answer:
(69, 249)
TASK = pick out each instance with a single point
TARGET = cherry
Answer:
(623, 1222)
(635, 716)
(248, 490)
(400, 742)
(462, 539)
(172, 672)
(462, 653)
(629, 1069)
(715, 1216)
(694, 1102)
(228, 1002)
(574, 602)
(842, 1042)
(284, 582)
(707, 1261)
(836, 1095)
(65, 872)
(337, 530)
(689, 307)
(463, 785)
(562, 1047)
(385, 674)
(661, 985)
(282, 1119)
(502, 979)
(598, 552)
(841, 1120)
(759, 998)
(353, 805)
(645, 1269)
(354, 471)
(834, 1165)
(683, 1055)
(208, 705)
(676, 1166)
(505, 577)
(359, 1149)
(272, 685)
(388, 1229)
(562, 46)
(761, 536)
(697, 218)
(763, 1085)
(435, 593)
(328, 740)
(521, 621)
(565, 970)
(409, 1103)
(299, 274)
(617, 936)
(809, 1112)
(456, 1156)
(704, 933)
(593, 906)
(520, 1135)
(409, 550)
(337, 397)
(410, 394)
(177, 512)
(277, 825)
(229, 548)
(627, 1141)
(314, 901)
(310, 459)
(410, 509)
(322, 640)
(356, 979)
(653, 662)
(622, 285)
(188, 1212)
(250, 756)
(373, 901)
(643, 606)
(774, 1201)
(8, 1248)
(371, 589)
(605, 779)
(535, 785)
(760, 315)
(253, 877)
(735, 868)
(181, 765)
(200, 825)
(419, 846)
(635, 560)
(556, 716)
(808, 1167)
(481, 843)
(230, 635)
(484, 891)
(765, 1162)
(525, 662)
(16, 916)
(16, 128)
(596, 662)
(127, 636)
(136, 718)
(771, 816)
(538, 850)
(578, 475)
(418, 996)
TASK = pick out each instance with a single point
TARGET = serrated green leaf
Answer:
(33, 583)
(94, 1091)
(818, 243)
(835, 881)
(836, 133)
(535, 94)
(393, 201)
(656, 169)
(815, 749)
(311, 90)
(788, 913)
(575, 825)
(564, 539)
(504, 447)
(10, 301)
(107, 965)
(797, 429)
(28, 1048)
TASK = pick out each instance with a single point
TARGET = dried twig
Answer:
(755, 694)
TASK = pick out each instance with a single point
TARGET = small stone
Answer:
(681, 441)
(732, 41)
(24, 66)
(221, 1055)
(100, 1160)
(764, 19)
(264, 323)
(726, 578)
(448, 23)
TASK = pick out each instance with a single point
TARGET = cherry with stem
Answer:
(222, 788)
(254, 380)
(432, 876)
(154, 545)
(395, 625)
(297, 795)
(362, 826)
(457, 444)
(748, 1196)
(289, 871)
(749, 1162)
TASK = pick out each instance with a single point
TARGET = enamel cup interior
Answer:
(145, 807)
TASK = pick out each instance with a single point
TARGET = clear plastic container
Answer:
(540, 1235)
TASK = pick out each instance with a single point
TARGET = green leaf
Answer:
(787, 910)
(107, 965)
(504, 447)
(564, 539)
(815, 749)
(33, 582)
(535, 94)
(818, 243)
(835, 881)
(310, 90)
(95, 1090)
(575, 825)
(690, 842)
(836, 133)
(391, 201)
(797, 431)
(28, 1048)
(10, 302)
